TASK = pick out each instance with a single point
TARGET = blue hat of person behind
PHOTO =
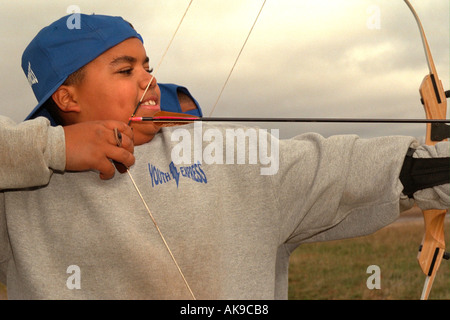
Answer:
(63, 47)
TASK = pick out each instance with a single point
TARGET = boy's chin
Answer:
(144, 132)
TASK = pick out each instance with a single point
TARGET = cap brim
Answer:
(35, 112)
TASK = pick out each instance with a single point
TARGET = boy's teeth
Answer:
(149, 103)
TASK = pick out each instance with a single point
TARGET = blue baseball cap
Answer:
(170, 102)
(63, 47)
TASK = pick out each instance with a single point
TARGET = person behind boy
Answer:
(230, 228)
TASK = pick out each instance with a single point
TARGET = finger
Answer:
(123, 158)
(121, 127)
(120, 167)
(122, 135)
(106, 169)
(126, 130)
(121, 155)
(127, 143)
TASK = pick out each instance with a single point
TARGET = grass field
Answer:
(338, 269)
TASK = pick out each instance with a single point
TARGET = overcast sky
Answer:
(314, 58)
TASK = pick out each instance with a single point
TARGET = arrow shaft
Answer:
(251, 119)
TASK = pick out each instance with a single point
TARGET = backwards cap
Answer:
(62, 48)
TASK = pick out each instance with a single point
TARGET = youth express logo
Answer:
(193, 172)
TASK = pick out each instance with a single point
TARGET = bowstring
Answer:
(237, 58)
(161, 235)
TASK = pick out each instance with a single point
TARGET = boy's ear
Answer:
(64, 98)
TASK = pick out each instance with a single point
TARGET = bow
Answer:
(433, 97)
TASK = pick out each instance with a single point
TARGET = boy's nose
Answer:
(149, 81)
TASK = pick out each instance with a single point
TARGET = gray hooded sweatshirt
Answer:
(230, 224)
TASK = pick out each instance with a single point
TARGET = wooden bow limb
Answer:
(432, 250)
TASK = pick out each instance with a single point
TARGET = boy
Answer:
(229, 228)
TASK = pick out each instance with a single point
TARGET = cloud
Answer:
(304, 58)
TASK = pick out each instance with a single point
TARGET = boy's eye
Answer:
(126, 71)
(130, 70)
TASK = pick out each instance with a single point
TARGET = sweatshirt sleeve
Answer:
(30, 151)
(338, 187)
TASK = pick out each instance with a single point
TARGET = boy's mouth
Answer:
(148, 107)
(150, 104)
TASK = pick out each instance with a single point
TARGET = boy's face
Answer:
(114, 83)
